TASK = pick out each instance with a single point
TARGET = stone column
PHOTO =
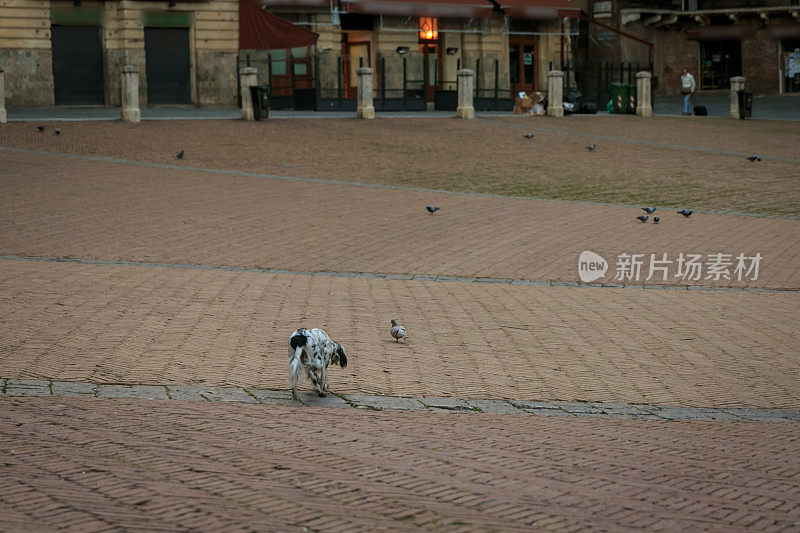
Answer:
(555, 90)
(365, 108)
(737, 84)
(247, 79)
(644, 105)
(129, 84)
(466, 87)
(2, 98)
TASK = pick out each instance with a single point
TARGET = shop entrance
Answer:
(719, 62)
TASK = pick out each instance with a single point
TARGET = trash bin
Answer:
(260, 97)
(621, 97)
(745, 104)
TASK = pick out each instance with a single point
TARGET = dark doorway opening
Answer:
(167, 66)
(77, 65)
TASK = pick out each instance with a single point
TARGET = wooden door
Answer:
(356, 56)
(522, 65)
(432, 73)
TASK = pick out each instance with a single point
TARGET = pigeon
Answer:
(754, 158)
(431, 209)
(643, 218)
(398, 331)
(685, 213)
(58, 131)
(655, 220)
(529, 135)
(40, 128)
(180, 154)
(649, 210)
(591, 147)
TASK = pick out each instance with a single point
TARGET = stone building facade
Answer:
(715, 39)
(71, 52)
(510, 44)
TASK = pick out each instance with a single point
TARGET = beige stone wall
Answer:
(25, 47)
(25, 52)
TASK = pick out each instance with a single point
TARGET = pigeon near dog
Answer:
(40, 128)
(655, 220)
(432, 209)
(398, 331)
(643, 218)
(754, 158)
(685, 213)
(58, 131)
(591, 147)
(180, 154)
(529, 135)
(649, 210)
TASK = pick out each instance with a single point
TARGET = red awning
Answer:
(539, 9)
(261, 30)
(418, 8)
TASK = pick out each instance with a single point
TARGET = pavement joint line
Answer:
(239, 173)
(641, 142)
(26, 387)
(394, 277)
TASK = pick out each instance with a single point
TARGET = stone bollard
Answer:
(365, 108)
(2, 98)
(737, 84)
(247, 79)
(129, 83)
(466, 86)
(555, 90)
(644, 105)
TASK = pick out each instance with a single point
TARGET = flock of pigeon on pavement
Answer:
(399, 332)
(649, 210)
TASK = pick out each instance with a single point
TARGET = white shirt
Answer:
(687, 82)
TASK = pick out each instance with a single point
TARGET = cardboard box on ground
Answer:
(529, 103)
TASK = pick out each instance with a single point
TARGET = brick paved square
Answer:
(523, 397)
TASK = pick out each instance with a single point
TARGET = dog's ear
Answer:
(342, 356)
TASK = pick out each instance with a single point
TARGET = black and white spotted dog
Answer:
(311, 351)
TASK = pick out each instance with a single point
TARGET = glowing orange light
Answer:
(428, 29)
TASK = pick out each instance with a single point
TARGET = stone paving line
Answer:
(104, 211)
(121, 324)
(32, 387)
(370, 275)
(261, 175)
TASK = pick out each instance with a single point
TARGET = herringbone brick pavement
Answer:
(122, 324)
(97, 465)
(481, 155)
(55, 206)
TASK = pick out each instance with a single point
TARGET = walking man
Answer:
(687, 90)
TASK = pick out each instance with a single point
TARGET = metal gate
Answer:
(77, 65)
(167, 66)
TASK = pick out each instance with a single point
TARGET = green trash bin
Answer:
(621, 94)
(619, 97)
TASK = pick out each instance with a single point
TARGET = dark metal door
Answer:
(167, 66)
(77, 65)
